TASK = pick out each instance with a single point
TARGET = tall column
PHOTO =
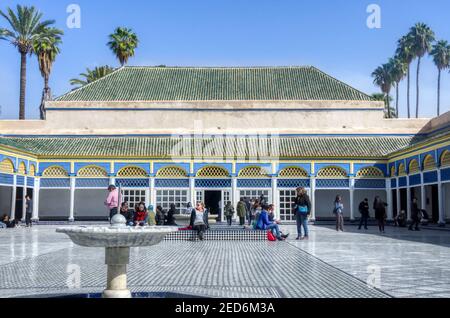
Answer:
(72, 200)
(275, 197)
(408, 199)
(234, 193)
(36, 199)
(397, 190)
(352, 194)
(24, 201)
(192, 191)
(390, 208)
(313, 198)
(13, 198)
(423, 194)
(441, 198)
(152, 192)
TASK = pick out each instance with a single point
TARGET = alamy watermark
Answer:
(74, 19)
(374, 18)
(73, 276)
(374, 278)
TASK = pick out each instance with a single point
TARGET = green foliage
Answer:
(123, 43)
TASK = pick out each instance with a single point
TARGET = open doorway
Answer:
(434, 204)
(213, 202)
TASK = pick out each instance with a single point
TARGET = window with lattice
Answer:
(132, 172)
(401, 170)
(429, 163)
(414, 167)
(22, 168)
(370, 172)
(55, 172)
(32, 171)
(332, 172)
(253, 172)
(92, 172)
(293, 172)
(393, 171)
(445, 161)
(7, 166)
(172, 172)
(213, 172)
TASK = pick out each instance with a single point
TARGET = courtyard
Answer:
(41, 262)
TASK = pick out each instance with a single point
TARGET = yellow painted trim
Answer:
(417, 152)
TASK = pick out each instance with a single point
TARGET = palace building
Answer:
(185, 134)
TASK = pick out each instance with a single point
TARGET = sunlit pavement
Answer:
(401, 263)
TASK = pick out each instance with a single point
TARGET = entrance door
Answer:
(394, 202)
(214, 203)
(286, 200)
(435, 203)
(19, 203)
(403, 200)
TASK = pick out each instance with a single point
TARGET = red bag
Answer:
(270, 236)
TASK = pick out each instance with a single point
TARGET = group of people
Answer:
(6, 221)
(142, 216)
(379, 206)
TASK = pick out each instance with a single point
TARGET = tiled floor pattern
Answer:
(330, 264)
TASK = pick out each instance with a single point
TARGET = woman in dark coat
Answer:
(380, 212)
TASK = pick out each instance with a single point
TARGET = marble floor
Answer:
(39, 261)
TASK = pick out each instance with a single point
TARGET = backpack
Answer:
(270, 236)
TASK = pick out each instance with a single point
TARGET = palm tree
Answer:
(382, 78)
(46, 50)
(404, 53)
(123, 42)
(441, 58)
(26, 27)
(92, 75)
(398, 72)
(422, 37)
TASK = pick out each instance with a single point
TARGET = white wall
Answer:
(89, 204)
(325, 202)
(5, 200)
(54, 204)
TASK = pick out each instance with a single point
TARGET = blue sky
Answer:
(329, 34)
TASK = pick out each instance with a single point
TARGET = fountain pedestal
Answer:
(117, 260)
(117, 240)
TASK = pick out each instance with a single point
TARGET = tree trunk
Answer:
(417, 87)
(388, 104)
(408, 92)
(396, 99)
(439, 94)
(42, 106)
(23, 84)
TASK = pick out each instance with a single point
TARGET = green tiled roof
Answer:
(215, 83)
(218, 147)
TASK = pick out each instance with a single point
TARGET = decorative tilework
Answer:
(393, 183)
(213, 183)
(20, 180)
(293, 183)
(332, 183)
(172, 183)
(445, 174)
(254, 183)
(55, 183)
(430, 177)
(30, 182)
(370, 183)
(402, 182)
(219, 235)
(133, 183)
(6, 178)
(92, 183)
(414, 179)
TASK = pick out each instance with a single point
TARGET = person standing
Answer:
(380, 212)
(302, 208)
(248, 210)
(241, 211)
(112, 201)
(229, 213)
(28, 210)
(415, 215)
(364, 211)
(339, 213)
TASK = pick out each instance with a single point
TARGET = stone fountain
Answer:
(117, 240)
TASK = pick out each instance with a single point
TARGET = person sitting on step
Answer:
(199, 220)
(141, 215)
(264, 224)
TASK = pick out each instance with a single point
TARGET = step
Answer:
(219, 235)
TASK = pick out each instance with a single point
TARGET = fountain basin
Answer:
(116, 237)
